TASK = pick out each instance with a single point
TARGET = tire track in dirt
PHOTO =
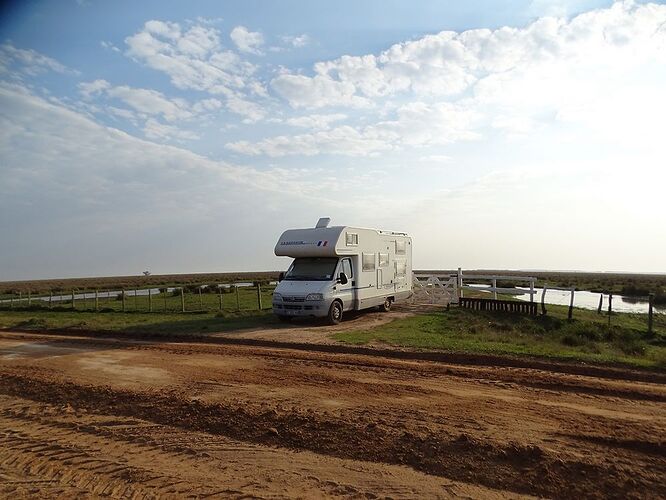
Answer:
(59, 451)
(445, 357)
(538, 378)
(514, 467)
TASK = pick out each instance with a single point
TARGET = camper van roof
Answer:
(356, 228)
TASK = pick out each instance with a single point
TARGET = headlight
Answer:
(277, 296)
(315, 296)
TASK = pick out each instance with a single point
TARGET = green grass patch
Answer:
(155, 324)
(586, 338)
(166, 302)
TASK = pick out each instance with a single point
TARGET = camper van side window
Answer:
(400, 247)
(347, 268)
(383, 259)
(400, 267)
(368, 261)
(352, 239)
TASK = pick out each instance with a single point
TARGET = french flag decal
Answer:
(322, 243)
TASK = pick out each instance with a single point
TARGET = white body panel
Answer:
(381, 263)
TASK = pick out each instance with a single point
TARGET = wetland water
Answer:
(590, 300)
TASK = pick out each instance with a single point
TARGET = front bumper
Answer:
(317, 308)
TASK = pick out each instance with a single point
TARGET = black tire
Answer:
(386, 306)
(285, 319)
(335, 313)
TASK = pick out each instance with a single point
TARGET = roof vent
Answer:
(323, 222)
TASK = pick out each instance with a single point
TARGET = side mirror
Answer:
(343, 279)
(280, 276)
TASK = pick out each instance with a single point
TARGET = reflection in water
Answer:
(590, 300)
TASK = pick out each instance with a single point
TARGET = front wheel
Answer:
(386, 306)
(335, 313)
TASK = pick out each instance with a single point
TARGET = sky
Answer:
(182, 137)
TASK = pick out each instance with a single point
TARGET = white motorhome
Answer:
(341, 268)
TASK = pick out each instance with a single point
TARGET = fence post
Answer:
(73, 307)
(122, 296)
(601, 303)
(29, 299)
(182, 299)
(219, 289)
(610, 307)
(259, 294)
(20, 298)
(570, 315)
(166, 292)
(543, 302)
(650, 304)
(494, 289)
(136, 306)
(460, 283)
(150, 300)
(11, 300)
(50, 298)
(531, 290)
(237, 297)
(200, 299)
(96, 300)
(85, 302)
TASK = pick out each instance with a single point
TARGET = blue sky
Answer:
(184, 136)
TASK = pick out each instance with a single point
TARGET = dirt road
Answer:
(89, 417)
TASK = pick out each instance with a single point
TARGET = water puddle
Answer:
(37, 350)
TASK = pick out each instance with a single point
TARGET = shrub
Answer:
(572, 340)
(630, 344)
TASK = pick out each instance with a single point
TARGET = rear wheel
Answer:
(284, 319)
(335, 313)
(386, 306)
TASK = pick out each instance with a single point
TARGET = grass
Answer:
(203, 314)
(161, 302)
(155, 324)
(587, 338)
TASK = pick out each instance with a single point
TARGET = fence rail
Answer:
(172, 299)
(508, 306)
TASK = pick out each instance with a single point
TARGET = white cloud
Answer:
(447, 64)
(343, 140)
(252, 112)
(305, 92)
(90, 89)
(246, 40)
(160, 131)
(193, 58)
(435, 158)
(601, 70)
(316, 121)
(148, 105)
(151, 102)
(109, 46)
(416, 124)
(28, 61)
(297, 41)
(108, 194)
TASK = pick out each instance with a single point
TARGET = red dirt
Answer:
(95, 416)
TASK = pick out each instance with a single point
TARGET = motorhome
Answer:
(341, 268)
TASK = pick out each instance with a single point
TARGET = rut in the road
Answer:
(41, 450)
(526, 469)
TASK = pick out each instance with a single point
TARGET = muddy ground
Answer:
(83, 416)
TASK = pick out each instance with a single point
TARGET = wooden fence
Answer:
(508, 306)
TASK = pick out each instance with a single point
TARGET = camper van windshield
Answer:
(312, 268)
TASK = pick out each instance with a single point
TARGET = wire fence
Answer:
(222, 297)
